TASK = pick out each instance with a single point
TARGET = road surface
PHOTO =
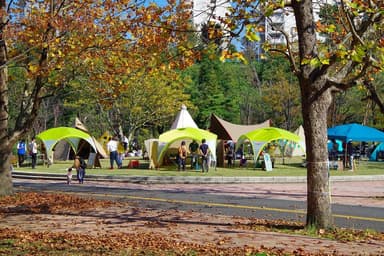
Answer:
(357, 205)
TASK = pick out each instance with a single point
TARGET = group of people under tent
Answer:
(195, 151)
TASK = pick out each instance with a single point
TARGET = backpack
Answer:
(83, 164)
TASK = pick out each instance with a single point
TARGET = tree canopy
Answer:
(98, 46)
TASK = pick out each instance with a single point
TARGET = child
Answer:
(69, 176)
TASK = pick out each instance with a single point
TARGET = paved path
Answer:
(369, 192)
(365, 193)
(349, 190)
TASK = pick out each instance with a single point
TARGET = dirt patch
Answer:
(119, 225)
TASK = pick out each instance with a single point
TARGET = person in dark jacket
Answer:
(204, 152)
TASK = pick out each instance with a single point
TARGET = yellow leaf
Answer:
(33, 68)
(251, 34)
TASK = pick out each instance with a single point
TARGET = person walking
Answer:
(80, 166)
(21, 150)
(112, 147)
(204, 152)
(181, 156)
(33, 152)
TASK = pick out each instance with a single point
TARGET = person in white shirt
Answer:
(112, 146)
(33, 152)
(125, 143)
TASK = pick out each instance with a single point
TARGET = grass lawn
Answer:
(291, 167)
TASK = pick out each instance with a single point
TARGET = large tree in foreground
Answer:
(354, 51)
(109, 42)
(5, 150)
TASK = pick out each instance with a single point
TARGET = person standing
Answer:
(204, 152)
(181, 156)
(69, 175)
(125, 144)
(350, 153)
(229, 152)
(112, 147)
(193, 149)
(33, 152)
(21, 150)
(80, 165)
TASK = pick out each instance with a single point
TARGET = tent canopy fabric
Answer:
(73, 136)
(229, 131)
(374, 154)
(63, 147)
(260, 137)
(301, 150)
(355, 132)
(183, 119)
(292, 148)
(167, 138)
(79, 125)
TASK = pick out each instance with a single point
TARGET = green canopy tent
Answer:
(166, 139)
(260, 137)
(72, 136)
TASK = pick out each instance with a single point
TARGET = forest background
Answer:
(250, 92)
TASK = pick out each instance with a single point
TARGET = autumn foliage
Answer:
(104, 227)
(112, 45)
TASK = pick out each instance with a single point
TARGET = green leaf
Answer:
(251, 34)
(268, 11)
(315, 62)
(324, 61)
(331, 28)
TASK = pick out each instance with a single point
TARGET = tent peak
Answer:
(183, 119)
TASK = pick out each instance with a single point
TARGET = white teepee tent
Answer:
(298, 150)
(183, 119)
(291, 148)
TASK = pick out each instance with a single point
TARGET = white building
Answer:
(284, 19)
(208, 10)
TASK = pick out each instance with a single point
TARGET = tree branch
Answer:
(289, 55)
(374, 96)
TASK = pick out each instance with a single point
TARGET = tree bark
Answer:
(316, 99)
(314, 111)
(6, 186)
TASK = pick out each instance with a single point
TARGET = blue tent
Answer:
(373, 156)
(355, 132)
(339, 145)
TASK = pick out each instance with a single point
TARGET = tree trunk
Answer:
(316, 99)
(315, 106)
(6, 186)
